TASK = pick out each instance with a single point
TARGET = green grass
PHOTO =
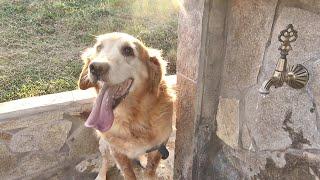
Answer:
(41, 40)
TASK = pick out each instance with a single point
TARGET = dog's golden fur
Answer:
(143, 119)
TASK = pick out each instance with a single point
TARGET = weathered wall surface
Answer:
(48, 143)
(190, 27)
(276, 136)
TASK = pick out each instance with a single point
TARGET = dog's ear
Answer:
(84, 82)
(156, 70)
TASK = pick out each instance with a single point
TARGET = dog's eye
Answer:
(99, 48)
(127, 51)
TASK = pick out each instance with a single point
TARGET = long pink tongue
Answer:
(101, 116)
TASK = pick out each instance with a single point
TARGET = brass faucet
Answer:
(296, 76)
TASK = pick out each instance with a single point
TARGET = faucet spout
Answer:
(278, 77)
(265, 88)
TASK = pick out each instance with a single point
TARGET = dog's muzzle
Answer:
(98, 70)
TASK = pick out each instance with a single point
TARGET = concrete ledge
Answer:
(32, 105)
(51, 102)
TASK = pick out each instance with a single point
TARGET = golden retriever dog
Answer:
(134, 106)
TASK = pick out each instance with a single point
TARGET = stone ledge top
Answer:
(32, 105)
(50, 102)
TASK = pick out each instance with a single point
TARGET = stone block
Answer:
(245, 162)
(92, 164)
(47, 137)
(228, 121)
(249, 26)
(32, 120)
(34, 165)
(297, 167)
(83, 142)
(223, 168)
(283, 164)
(280, 120)
(7, 160)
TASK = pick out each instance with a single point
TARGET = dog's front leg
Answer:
(103, 147)
(103, 170)
(152, 164)
(124, 164)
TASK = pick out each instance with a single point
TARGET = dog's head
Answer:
(118, 65)
(117, 57)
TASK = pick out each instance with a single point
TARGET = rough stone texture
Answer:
(190, 28)
(5, 136)
(249, 25)
(247, 163)
(76, 110)
(7, 160)
(242, 164)
(224, 169)
(281, 120)
(185, 115)
(247, 140)
(47, 137)
(297, 167)
(33, 120)
(83, 142)
(228, 121)
(314, 85)
(92, 164)
(34, 164)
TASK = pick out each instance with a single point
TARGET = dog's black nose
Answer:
(98, 68)
(93, 68)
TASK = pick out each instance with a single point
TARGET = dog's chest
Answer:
(135, 130)
(131, 138)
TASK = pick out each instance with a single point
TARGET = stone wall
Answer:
(44, 137)
(275, 136)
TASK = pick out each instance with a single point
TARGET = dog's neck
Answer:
(134, 106)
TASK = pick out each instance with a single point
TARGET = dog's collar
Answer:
(162, 149)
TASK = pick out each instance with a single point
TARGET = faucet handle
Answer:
(297, 76)
(286, 37)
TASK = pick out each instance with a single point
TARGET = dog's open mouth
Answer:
(101, 116)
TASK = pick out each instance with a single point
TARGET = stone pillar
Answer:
(199, 65)
(189, 31)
